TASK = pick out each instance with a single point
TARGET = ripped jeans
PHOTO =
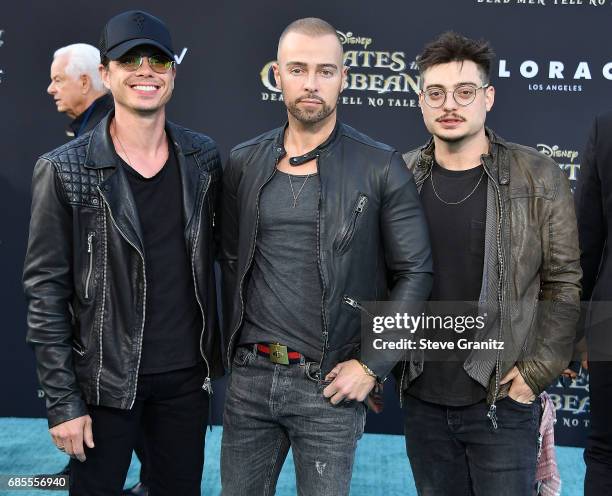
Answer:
(269, 408)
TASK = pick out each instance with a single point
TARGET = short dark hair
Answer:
(310, 26)
(454, 47)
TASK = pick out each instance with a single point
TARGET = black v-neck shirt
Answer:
(173, 321)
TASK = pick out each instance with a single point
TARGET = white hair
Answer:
(82, 59)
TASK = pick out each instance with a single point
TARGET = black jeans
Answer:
(172, 410)
(598, 454)
(455, 451)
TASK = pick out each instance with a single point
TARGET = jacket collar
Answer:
(279, 141)
(101, 152)
(496, 161)
(116, 190)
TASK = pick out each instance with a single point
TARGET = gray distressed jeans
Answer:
(269, 408)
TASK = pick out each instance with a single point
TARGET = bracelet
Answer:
(368, 370)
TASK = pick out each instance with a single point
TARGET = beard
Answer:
(451, 139)
(312, 117)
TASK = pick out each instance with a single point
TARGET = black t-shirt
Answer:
(457, 234)
(283, 298)
(173, 321)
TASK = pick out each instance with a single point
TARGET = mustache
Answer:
(450, 116)
(310, 97)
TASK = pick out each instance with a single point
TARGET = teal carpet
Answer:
(381, 466)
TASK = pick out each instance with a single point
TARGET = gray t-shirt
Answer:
(283, 296)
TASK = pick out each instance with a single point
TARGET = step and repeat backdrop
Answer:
(552, 76)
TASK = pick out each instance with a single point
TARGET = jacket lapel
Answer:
(114, 189)
(192, 177)
(118, 197)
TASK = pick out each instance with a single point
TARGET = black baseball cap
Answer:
(131, 29)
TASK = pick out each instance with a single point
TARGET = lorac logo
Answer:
(555, 75)
(376, 78)
(565, 158)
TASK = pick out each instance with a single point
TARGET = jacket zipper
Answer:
(78, 349)
(103, 297)
(350, 229)
(144, 300)
(323, 287)
(207, 386)
(251, 255)
(89, 271)
(492, 414)
(356, 305)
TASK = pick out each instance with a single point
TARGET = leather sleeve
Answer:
(406, 245)
(48, 285)
(559, 305)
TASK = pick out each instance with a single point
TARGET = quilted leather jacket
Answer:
(84, 274)
(531, 281)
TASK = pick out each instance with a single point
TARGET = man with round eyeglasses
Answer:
(504, 244)
(464, 94)
(124, 346)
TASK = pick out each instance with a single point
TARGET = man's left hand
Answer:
(519, 390)
(349, 382)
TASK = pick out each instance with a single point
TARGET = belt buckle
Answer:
(278, 354)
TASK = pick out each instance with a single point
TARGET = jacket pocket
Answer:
(348, 232)
(90, 262)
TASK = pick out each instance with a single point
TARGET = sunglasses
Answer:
(158, 63)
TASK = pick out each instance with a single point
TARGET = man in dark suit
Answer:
(77, 89)
(593, 202)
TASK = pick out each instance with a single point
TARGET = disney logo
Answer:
(556, 152)
(350, 39)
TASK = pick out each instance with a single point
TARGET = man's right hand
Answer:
(70, 435)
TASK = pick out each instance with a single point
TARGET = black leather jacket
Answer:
(373, 242)
(84, 274)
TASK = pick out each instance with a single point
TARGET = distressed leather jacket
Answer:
(531, 276)
(84, 273)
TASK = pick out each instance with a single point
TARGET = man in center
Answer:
(317, 219)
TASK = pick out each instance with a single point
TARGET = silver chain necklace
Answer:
(295, 197)
(123, 148)
(124, 151)
(457, 202)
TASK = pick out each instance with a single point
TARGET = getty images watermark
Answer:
(430, 324)
(439, 330)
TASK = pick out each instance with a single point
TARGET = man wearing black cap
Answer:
(119, 277)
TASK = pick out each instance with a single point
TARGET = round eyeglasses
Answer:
(464, 95)
(158, 63)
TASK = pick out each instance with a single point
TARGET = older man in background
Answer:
(76, 87)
